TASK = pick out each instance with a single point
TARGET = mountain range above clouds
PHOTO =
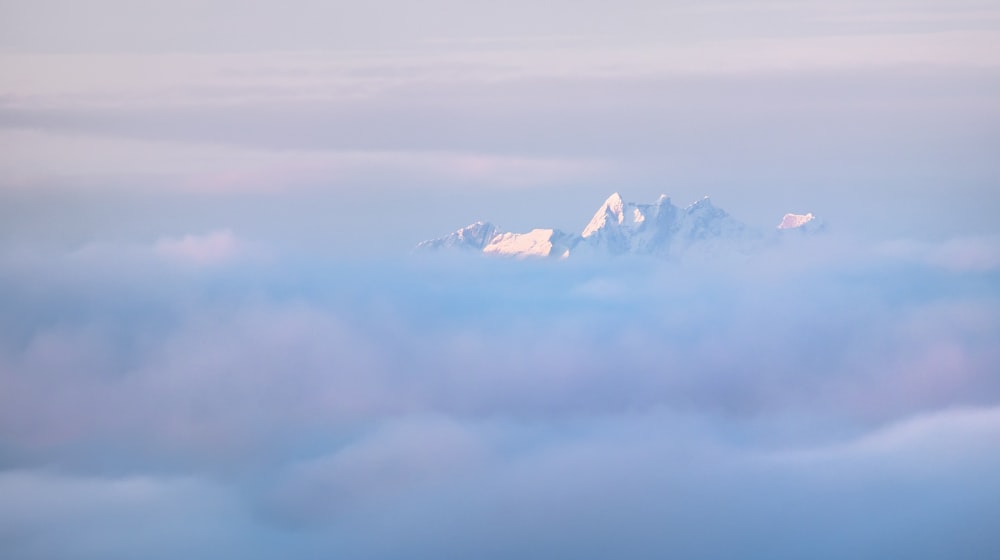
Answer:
(627, 228)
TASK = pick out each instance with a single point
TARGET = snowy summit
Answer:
(792, 221)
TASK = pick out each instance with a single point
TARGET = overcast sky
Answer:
(410, 119)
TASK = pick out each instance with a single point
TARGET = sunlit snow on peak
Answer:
(535, 243)
(792, 221)
(612, 207)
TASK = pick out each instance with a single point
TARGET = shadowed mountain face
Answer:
(627, 228)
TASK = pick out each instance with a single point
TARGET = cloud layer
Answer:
(781, 406)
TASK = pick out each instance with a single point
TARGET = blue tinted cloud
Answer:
(779, 406)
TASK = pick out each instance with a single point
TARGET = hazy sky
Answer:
(195, 362)
(411, 119)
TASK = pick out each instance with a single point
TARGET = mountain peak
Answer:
(474, 236)
(703, 202)
(536, 243)
(614, 200)
(613, 207)
(792, 221)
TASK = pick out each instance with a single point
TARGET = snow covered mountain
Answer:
(472, 237)
(536, 243)
(801, 223)
(660, 228)
(627, 228)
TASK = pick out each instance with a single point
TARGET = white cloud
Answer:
(211, 248)
(925, 443)
(980, 253)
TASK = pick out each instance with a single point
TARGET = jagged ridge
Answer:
(619, 227)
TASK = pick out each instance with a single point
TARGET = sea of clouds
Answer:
(204, 396)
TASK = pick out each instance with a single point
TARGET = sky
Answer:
(426, 116)
(214, 341)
